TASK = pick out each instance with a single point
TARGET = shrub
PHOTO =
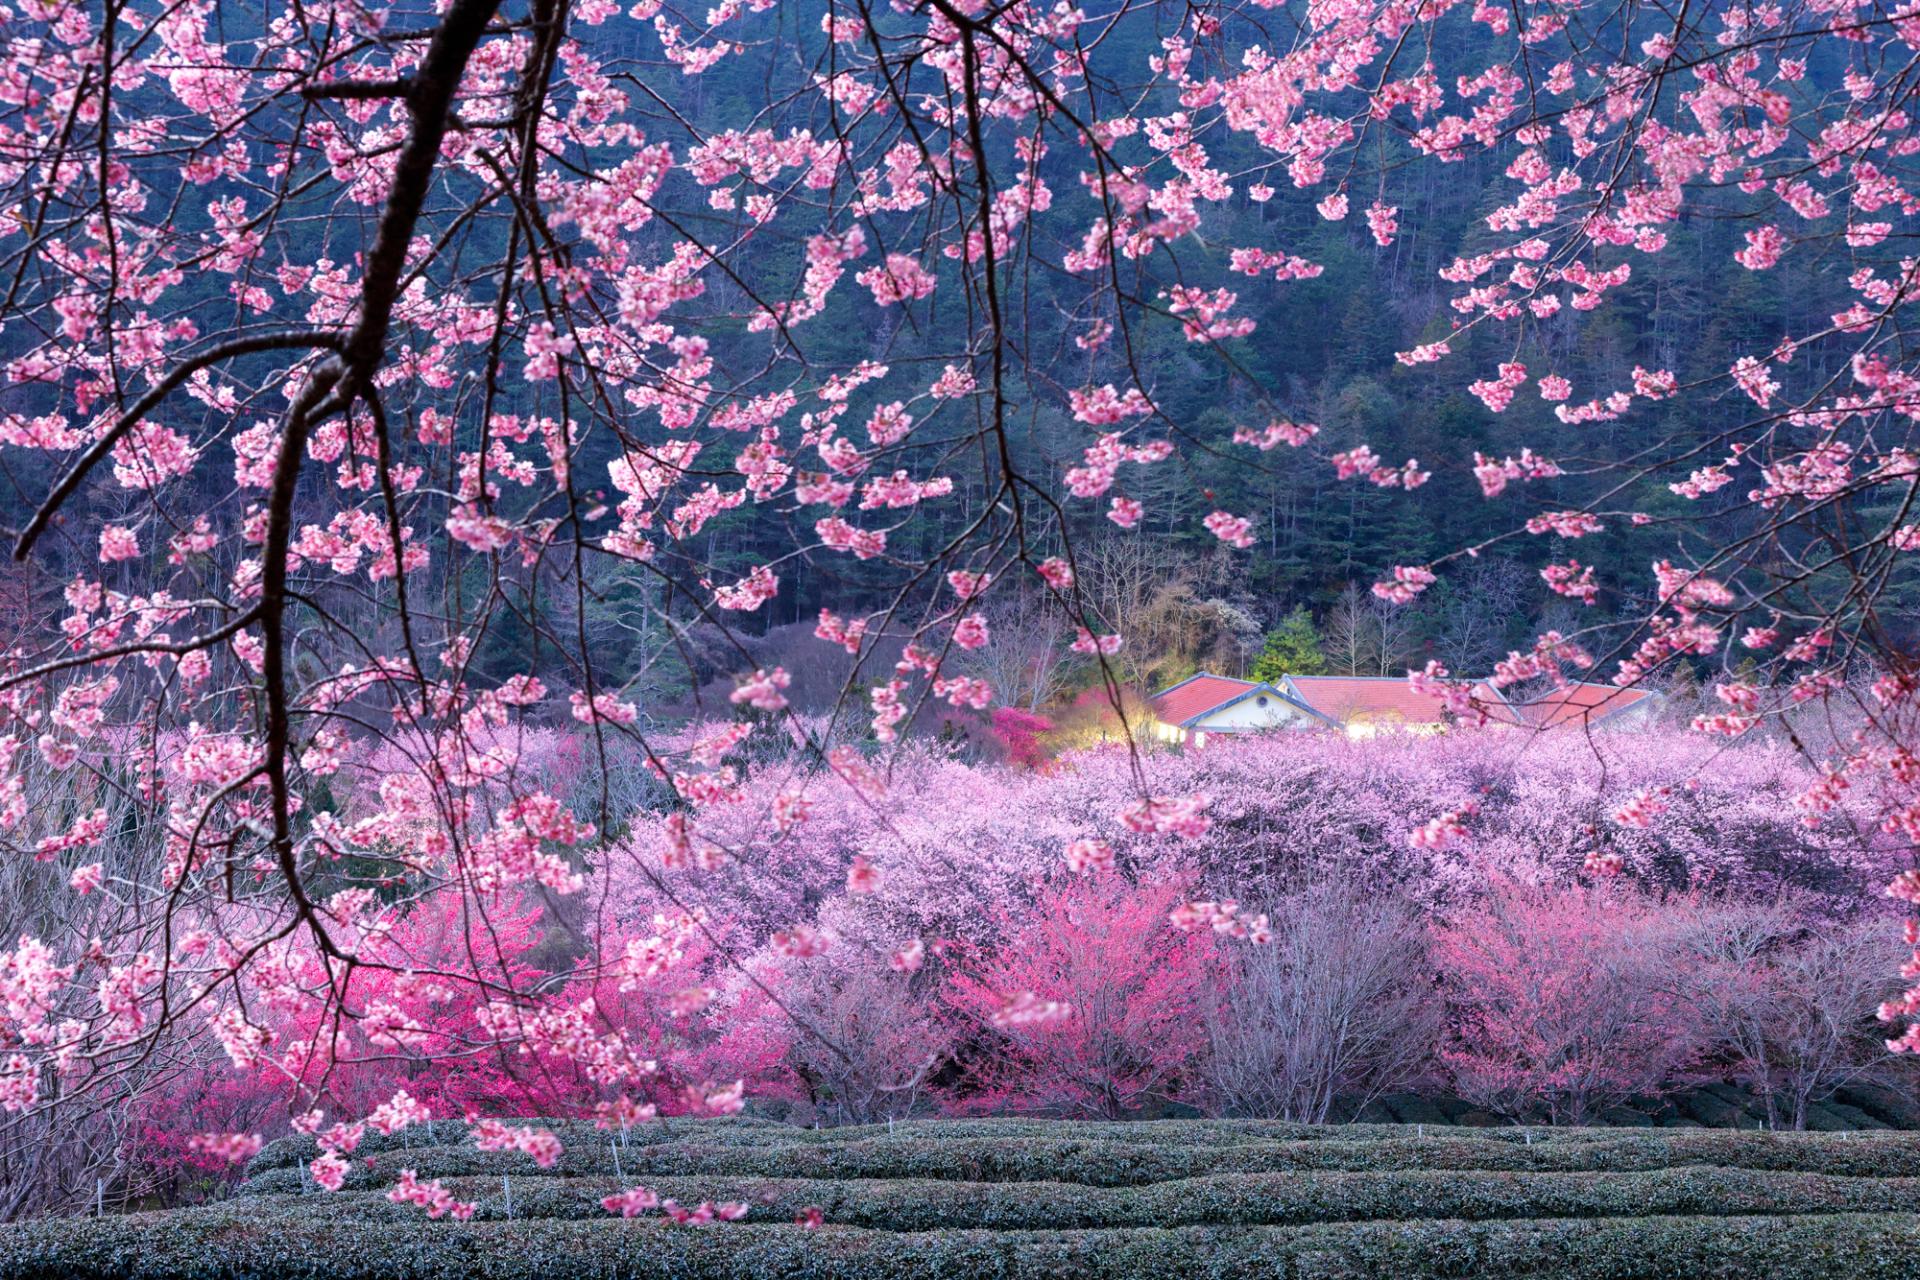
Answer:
(222, 1245)
(1337, 1007)
(1133, 1153)
(1562, 1000)
(1789, 1006)
(1128, 990)
(864, 1045)
(1220, 1200)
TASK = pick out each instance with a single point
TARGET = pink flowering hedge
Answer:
(989, 941)
(957, 841)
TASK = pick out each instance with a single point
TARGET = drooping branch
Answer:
(337, 384)
(75, 475)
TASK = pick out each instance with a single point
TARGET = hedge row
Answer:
(1114, 1162)
(232, 1244)
(1036, 1198)
(752, 1132)
(1284, 1199)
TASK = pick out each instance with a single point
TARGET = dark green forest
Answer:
(1323, 351)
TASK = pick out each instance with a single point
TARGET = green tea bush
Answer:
(229, 1244)
(1019, 1199)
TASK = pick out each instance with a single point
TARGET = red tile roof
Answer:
(1196, 696)
(1391, 700)
(1382, 699)
(1580, 703)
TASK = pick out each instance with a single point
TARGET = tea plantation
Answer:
(1048, 1199)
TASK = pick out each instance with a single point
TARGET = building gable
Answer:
(1224, 702)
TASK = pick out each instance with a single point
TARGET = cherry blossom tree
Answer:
(1557, 1002)
(356, 352)
(1095, 1006)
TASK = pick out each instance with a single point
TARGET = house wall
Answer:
(1636, 717)
(1247, 715)
(1367, 725)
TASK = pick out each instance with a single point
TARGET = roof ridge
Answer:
(1394, 679)
(1200, 675)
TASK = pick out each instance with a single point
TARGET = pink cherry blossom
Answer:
(632, 1202)
(1381, 221)
(1230, 529)
(1089, 855)
(118, 543)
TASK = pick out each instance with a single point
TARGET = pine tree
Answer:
(1292, 649)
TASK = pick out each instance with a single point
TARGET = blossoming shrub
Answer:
(1094, 1005)
(977, 937)
(1287, 808)
(953, 843)
(1563, 999)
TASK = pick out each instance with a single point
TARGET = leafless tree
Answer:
(1478, 611)
(1394, 628)
(1333, 1011)
(1791, 1007)
(1124, 580)
(1351, 634)
(887, 1045)
(1029, 658)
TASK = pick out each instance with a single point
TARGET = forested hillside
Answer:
(1321, 350)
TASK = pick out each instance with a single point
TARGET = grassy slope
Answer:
(1034, 1198)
